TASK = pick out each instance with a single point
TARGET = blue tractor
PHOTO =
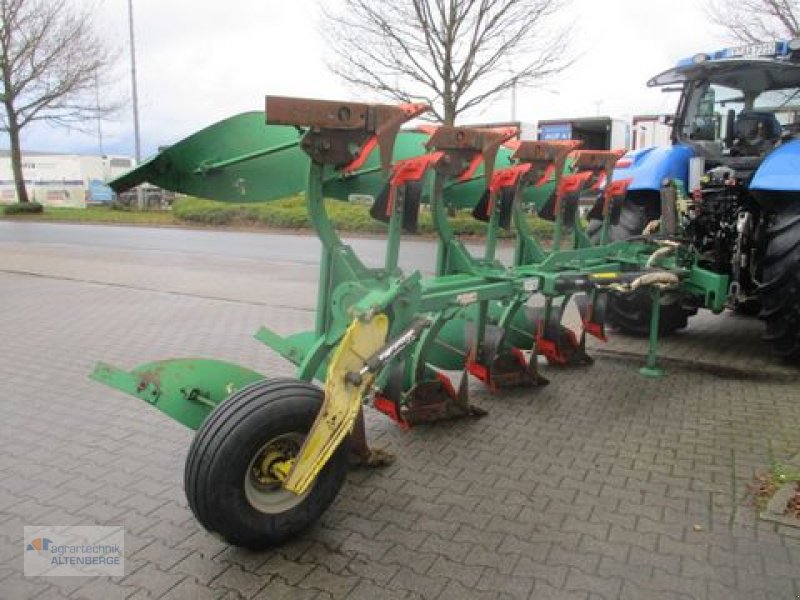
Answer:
(732, 181)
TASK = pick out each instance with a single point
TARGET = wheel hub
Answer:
(263, 481)
(272, 464)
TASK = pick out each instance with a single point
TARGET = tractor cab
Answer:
(737, 104)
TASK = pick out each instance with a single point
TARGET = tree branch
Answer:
(51, 65)
(446, 51)
(752, 21)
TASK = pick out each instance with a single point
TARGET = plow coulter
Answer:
(270, 455)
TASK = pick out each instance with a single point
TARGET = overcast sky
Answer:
(199, 62)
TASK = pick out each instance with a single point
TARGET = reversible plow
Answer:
(270, 454)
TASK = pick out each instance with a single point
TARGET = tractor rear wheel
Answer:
(630, 313)
(228, 478)
(780, 288)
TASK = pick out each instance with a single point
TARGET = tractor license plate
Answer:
(765, 49)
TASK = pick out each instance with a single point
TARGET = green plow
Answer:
(270, 454)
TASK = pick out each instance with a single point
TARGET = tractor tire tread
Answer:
(630, 313)
(780, 288)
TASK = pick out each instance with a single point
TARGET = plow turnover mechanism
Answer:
(270, 455)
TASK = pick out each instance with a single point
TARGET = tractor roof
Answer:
(759, 67)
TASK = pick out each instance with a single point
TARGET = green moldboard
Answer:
(260, 162)
(180, 167)
(450, 349)
(265, 162)
(465, 194)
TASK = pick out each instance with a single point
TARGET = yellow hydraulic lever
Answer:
(342, 400)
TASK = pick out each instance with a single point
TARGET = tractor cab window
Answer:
(707, 113)
(721, 120)
(784, 104)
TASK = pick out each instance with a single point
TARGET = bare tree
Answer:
(51, 63)
(751, 21)
(453, 54)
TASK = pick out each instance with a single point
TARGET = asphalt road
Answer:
(301, 249)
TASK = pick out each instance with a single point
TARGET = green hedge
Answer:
(290, 213)
(23, 208)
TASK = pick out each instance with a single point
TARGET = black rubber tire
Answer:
(632, 220)
(780, 288)
(630, 313)
(749, 308)
(227, 442)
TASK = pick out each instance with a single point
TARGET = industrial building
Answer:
(67, 180)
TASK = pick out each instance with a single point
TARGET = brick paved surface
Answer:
(601, 485)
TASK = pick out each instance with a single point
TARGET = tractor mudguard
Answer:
(780, 171)
(186, 389)
(649, 167)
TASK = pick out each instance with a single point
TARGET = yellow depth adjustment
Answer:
(342, 400)
(606, 275)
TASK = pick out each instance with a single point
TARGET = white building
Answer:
(59, 179)
(651, 130)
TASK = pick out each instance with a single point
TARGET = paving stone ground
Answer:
(601, 485)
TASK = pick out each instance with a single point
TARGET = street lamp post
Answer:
(514, 100)
(135, 100)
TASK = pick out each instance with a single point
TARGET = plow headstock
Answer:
(597, 160)
(340, 132)
(592, 170)
(544, 155)
(464, 148)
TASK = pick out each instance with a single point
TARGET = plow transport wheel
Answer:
(228, 478)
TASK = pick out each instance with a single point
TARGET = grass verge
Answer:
(289, 213)
(96, 214)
